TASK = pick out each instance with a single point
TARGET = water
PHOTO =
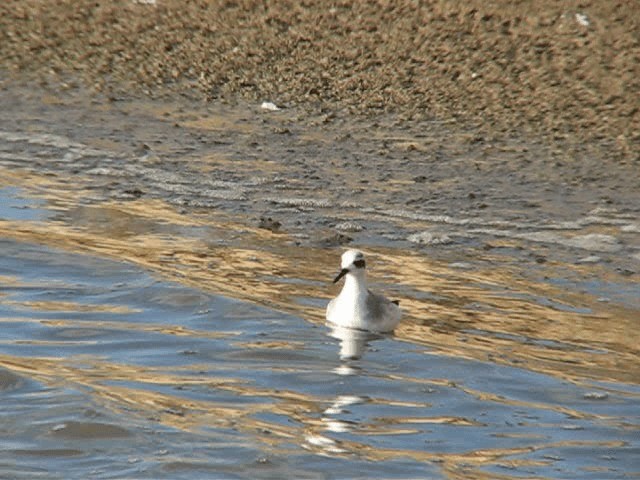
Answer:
(120, 374)
(151, 329)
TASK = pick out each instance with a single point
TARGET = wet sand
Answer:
(564, 72)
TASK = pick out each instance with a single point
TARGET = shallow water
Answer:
(152, 329)
(110, 372)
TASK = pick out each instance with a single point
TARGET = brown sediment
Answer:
(567, 71)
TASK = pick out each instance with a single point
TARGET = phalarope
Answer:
(356, 306)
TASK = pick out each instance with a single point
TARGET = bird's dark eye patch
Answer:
(359, 263)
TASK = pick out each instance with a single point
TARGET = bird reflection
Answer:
(332, 423)
(352, 342)
(339, 407)
(337, 417)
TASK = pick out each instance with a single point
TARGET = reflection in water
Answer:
(352, 342)
(488, 313)
(352, 346)
(333, 423)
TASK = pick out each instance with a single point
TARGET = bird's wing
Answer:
(381, 308)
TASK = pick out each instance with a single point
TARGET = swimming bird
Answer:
(356, 306)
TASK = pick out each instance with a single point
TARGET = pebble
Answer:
(270, 106)
(335, 240)
(595, 242)
(631, 228)
(461, 265)
(268, 223)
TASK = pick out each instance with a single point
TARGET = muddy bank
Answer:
(567, 71)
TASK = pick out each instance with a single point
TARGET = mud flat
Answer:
(564, 71)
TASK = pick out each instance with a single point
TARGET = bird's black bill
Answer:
(342, 273)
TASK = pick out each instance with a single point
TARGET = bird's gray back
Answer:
(379, 307)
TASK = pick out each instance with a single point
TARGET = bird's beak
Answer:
(342, 273)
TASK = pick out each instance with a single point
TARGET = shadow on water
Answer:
(141, 339)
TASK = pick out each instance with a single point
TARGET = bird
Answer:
(358, 307)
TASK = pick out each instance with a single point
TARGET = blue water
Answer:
(14, 206)
(108, 371)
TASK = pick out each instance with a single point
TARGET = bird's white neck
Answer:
(355, 284)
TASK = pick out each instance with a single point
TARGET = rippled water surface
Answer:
(154, 327)
(110, 372)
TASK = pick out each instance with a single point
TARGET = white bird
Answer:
(356, 306)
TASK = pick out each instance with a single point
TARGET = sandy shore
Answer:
(561, 71)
